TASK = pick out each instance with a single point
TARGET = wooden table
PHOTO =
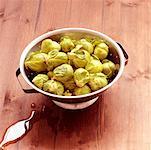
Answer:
(121, 120)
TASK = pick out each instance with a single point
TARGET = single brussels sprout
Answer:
(54, 87)
(97, 41)
(39, 80)
(50, 74)
(82, 90)
(48, 45)
(66, 44)
(36, 61)
(97, 81)
(63, 73)
(67, 93)
(101, 51)
(70, 84)
(108, 68)
(86, 45)
(31, 54)
(94, 66)
(81, 77)
(79, 57)
(56, 58)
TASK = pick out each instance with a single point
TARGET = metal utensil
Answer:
(17, 131)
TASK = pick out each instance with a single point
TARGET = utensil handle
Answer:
(25, 90)
(124, 52)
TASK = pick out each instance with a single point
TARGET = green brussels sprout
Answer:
(66, 44)
(70, 84)
(48, 45)
(50, 74)
(108, 68)
(55, 59)
(31, 54)
(97, 41)
(86, 45)
(54, 87)
(36, 61)
(81, 77)
(94, 66)
(63, 73)
(79, 57)
(67, 93)
(101, 51)
(97, 81)
(82, 90)
(39, 80)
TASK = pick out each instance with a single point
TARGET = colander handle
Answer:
(124, 52)
(25, 90)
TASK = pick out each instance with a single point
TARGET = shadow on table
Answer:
(62, 129)
(67, 129)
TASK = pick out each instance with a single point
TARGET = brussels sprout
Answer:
(50, 74)
(67, 93)
(101, 51)
(63, 73)
(108, 67)
(97, 41)
(31, 54)
(39, 80)
(56, 58)
(79, 57)
(82, 90)
(86, 45)
(97, 81)
(66, 44)
(48, 45)
(94, 66)
(36, 61)
(81, 77)
(70, 84)
(54, 87)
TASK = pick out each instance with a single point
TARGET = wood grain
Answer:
(121, 119)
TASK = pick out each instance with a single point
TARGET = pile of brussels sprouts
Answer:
(71, 67)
